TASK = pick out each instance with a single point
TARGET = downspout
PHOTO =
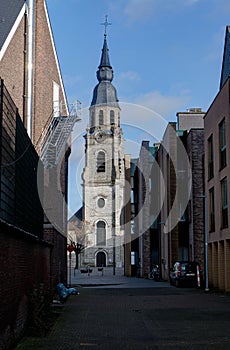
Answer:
(30, 67)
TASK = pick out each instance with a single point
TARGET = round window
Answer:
(101, 202)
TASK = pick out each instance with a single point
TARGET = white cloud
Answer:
(162, 104)
(130, 75)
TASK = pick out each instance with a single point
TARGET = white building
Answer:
(104, 174)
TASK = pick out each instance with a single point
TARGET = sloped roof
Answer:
(77, 217)
(225, 73)
(105, 93)
(9, 11)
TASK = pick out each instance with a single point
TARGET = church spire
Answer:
(104, 92)
(105, 55)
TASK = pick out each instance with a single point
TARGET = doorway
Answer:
(101, 259)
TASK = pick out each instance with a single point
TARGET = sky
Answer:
(166, 57)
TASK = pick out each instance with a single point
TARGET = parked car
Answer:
(185, 273)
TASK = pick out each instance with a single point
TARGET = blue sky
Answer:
(166, 56)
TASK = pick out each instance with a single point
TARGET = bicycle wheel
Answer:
(150, 276)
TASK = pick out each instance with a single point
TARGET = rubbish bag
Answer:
(64, 292)
(73, 291)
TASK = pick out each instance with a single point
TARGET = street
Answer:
(138, 314)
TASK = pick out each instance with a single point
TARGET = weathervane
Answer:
(106, 23)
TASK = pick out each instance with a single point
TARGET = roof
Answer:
(9, 11)
(77, 217)
(104, 92)
(105, 55)
(225, 72)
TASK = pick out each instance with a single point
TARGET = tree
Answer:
(76, 239)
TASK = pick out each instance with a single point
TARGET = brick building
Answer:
(32, 95)
(144, 211)
(217, 170)
(181, 219)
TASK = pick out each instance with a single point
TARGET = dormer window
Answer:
(112, 117)
(101, 118)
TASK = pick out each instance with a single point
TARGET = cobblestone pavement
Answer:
(137, 314)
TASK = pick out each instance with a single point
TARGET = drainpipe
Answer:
(30, 67)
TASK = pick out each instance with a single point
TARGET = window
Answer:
(211, 210)
(112, 118)
(210, 157)
(93, 118)
(56, 101)
(222, 143)
(101, 118)
(224, 204)
(101, 233)
(101, 202)
(101, 162)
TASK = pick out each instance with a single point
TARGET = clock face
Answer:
(100, 136)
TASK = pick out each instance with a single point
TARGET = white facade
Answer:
(104, 178)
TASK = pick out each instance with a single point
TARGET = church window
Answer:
(101, 118)
(101, 202)
(101, 233)
(92, 119)
(101, 162)
(112, 118)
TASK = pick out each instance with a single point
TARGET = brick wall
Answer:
(144, 208)
(25, 268)
(58, 255)
(195, 148)
(45, 71)
(13, 74)
(227, 265)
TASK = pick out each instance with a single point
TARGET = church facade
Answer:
(104, 174)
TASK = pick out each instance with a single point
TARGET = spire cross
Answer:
(106, 23)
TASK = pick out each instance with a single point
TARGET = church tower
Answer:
(104, 174)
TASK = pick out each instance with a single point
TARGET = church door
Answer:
(101, 259)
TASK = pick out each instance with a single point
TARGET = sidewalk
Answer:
(106, 309)
(106, 279)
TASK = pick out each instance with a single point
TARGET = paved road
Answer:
(136, 314)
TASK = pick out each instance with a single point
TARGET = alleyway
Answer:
(114, 312)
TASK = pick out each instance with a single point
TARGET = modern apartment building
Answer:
(217, 178)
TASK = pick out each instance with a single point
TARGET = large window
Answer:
(101, 162)
(101, 118)
(92, 118)
(210, 157)
(112, 117)
(222, 143)
(101, 233)
(224, 203)
(211, 210)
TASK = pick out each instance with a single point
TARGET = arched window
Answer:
(101, 118)
(101, 233)
(101, 162)
(112, 118)
(92, 118)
